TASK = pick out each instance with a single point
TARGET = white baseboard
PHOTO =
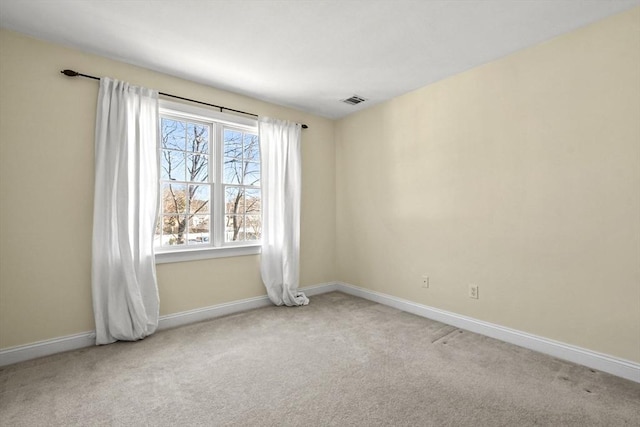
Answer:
(87, 339)
(322, 288)
(218, 310)
(602, 362)
(615, 366)
(206, 313)
(46, 348)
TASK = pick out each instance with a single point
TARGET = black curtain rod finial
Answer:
(72, 73)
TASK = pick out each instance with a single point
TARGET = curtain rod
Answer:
(72, 73)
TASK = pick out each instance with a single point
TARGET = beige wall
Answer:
(46, 182)
(521, 176)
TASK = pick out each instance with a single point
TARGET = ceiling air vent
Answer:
(354, 100)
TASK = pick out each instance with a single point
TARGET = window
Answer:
(210, 197)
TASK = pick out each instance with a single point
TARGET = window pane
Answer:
(200, 199)
(172, 168)
(233, 228)
(198, 138)
(173, 230)
(252, 173)
(198, 229)
(252, 201)
(198, 167)
(232, 172)
(232, 143)
(251, 147)
(174, 198)
(173, 134)
(252, 227)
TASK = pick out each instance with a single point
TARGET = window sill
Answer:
(205, 253)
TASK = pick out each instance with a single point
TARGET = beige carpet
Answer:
(341, 361)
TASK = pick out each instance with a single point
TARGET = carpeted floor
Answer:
(341, 361)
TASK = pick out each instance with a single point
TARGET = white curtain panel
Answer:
(281, 182)
(124, 285)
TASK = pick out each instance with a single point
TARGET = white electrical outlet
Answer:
(473, 291)
(425, 281)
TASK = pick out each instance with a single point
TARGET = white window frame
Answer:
(217, 121)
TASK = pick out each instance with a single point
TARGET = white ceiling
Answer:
(306, 54)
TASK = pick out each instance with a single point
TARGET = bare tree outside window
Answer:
(241, 176)
(186, 191)
(187, 153)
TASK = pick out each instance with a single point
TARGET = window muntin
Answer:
(209, 182)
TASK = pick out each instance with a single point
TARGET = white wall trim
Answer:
(168, 256)
(46, 348)
(612, 365)
(218, 310)
(322, 288)
(87, 339)
(198, 315)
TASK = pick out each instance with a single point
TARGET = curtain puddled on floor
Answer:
(125, 292)
(281, 182)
